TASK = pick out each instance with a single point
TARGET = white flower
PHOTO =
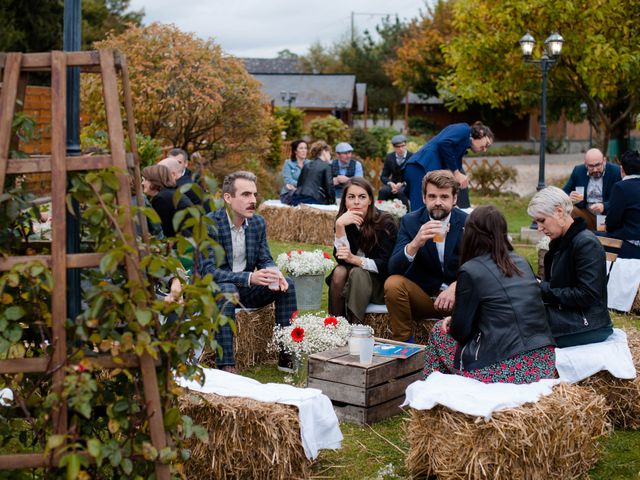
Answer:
(395, 207)
(312, 333)
(543, 243)
(299, 262)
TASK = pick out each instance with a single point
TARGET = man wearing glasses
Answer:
(589, 186)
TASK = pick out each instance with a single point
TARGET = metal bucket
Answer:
(308, 291)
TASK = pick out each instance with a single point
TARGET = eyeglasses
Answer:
(594, 166)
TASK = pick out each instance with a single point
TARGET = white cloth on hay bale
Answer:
(613, 355)
(623, 283)
(319, 427)
(472, 397)
(278, 203)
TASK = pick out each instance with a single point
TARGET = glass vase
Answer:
(300, 369)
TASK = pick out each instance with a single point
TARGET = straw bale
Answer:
(635, 308)
(300, 224)
(382, 327)
(623, 396)
(554, 438)
(251, 344)
(247, 439)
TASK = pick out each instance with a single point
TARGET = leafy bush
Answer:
(504, 151)
(489, 179)
(365, 145)
(421, 126)
(330, 129)
(383, 135)
(273, 159)
(292, 121)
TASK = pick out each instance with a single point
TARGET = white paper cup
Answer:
(580, 191)
(275, 285)
(601, 221)
(366, 351)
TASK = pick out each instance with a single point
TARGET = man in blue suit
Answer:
(623, 216)
(424, 262)
(446, 151)
(596, 177)
(247, 270)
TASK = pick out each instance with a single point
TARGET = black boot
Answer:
(285, 362)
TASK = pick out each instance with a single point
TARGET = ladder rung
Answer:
(74, 260)
(40, 364)
(73, 164)
(12, 461)
(42, 61)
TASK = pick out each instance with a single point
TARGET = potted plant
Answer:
(308, 270)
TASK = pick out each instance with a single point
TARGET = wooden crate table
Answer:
(364, 393)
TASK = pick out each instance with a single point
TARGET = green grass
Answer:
(378, 451)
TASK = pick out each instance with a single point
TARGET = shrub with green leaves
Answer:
(330, 129)
(489, 179)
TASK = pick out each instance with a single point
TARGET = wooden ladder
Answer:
(106, 62)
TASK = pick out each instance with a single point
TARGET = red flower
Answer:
(297, 334)
(326, 255)
(293, 316)
(331, 321)
(299, 251)
(79, 368)
(379, 201)
(289, 253)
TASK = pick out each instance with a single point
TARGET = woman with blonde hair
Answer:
(574, 287)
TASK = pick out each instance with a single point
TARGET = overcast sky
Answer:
(261, 28)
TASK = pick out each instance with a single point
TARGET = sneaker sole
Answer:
(286, 369)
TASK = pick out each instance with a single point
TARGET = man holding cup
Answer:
(247, 270)
(424, 262)
(589, 186)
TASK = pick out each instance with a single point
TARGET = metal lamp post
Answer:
(553, 47)
(584, 109)
(288, 97)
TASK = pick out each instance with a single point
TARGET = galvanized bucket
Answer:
(308, 291)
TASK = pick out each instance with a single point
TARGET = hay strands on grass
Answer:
(247, 439)
(554, 438)
(623, 396)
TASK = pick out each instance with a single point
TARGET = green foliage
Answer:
(293, 121)
(383, 135)
(107, 415)
(149, 150)
(365, 144)
(504, 151)
(330, 129)
(273, 159)
(23, 127)
(421, 126)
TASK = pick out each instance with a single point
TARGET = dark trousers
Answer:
(385, 194)
(255, 296)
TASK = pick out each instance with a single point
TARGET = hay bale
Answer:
(251, 344)
(635, 308)
(556, 437)
(382, 327)
(281, 222)
(622, 396)
(247, 439)
(316, 226)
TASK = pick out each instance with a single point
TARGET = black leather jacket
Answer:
(316, 181)
(575, 285)
(496, 317)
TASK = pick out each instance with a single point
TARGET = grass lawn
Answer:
(378, 451)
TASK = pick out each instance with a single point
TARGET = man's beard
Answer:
(438, 213)
(596, 174)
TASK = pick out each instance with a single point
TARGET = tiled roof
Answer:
(328, 91)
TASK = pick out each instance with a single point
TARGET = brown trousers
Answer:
(406, 303)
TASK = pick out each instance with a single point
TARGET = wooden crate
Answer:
(363, 393)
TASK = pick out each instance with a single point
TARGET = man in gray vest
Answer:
(344, 167)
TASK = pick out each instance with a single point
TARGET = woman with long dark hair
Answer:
(292, 168)
(498, 331)
(364, 240)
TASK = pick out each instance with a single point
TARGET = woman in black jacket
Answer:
(159, 185)
(315, 184)
(498, 331)
(574, 287)
(364, 240)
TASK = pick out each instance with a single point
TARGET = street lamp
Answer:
(584, 109)
(288, 96)
(553, 47)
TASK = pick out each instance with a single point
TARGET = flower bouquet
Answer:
(299, 262)
(395, 207)
(311, 333)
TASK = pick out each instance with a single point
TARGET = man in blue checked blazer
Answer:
(247, 269)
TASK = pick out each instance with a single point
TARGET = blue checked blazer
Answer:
(258, 253)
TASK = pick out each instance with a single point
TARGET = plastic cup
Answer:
(601, 223)
(441, 234)
(366, 351)
(275, 285)
(580, 191)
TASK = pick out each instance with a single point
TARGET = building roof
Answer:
(271, 65)
(420, 99)
(322, 91)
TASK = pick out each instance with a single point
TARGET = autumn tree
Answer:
(188, 94)
(600, 62)
(419, 62)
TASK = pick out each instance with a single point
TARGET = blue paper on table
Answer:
(394, 350)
